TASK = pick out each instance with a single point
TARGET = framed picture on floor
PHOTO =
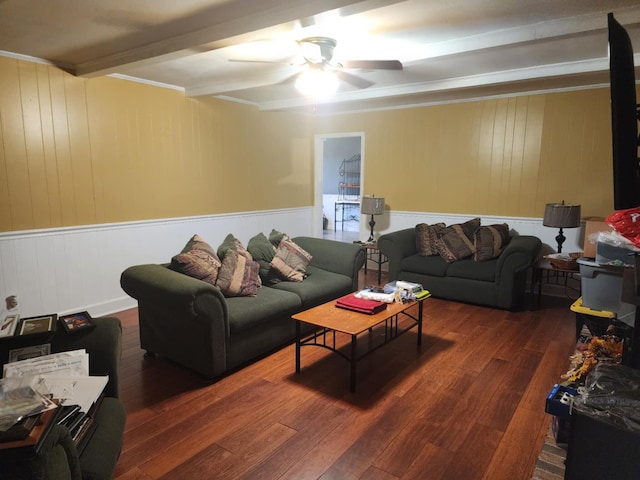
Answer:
(76, 322)
(38, 325)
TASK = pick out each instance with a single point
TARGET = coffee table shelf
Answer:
(380, 328)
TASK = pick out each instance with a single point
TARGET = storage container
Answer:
(602, 289)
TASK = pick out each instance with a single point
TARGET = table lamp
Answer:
(372, 206)
(561, 215)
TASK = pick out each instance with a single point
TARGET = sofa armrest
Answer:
(57, 458)
(165, 287)
(520, 254)
(180, 317)
(104, 346)
(396, 246)
(333, 256)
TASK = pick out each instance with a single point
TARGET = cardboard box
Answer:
(593, 226)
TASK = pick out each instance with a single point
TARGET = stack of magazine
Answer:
(52, 389)
(409, 290)
(391, 292)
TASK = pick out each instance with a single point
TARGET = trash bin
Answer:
(604, 442)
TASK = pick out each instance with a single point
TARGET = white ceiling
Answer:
(451, 49)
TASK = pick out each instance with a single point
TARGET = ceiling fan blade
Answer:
(373, 64)
(260, 61)
(353, 79)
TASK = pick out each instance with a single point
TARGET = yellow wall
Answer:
(79, 152)
(505, 156)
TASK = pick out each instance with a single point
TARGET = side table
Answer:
(544, 272)
(376, 257)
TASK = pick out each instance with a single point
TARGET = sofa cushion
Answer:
(434, 266)
(472, 270)
(197, 259)
(239, 274)
(319, 287)
(489, 241)
(291, 260)
(426, 236)
(267, 305)
(455, 242)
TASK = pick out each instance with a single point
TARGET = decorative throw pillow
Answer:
(489, 241)
(239, 273)
(455, 242)
(291, 261)
(275, 237)
(232, 243)
(426, 236)
(238, 276)
(197, 260)
(263, 252)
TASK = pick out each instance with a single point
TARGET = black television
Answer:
(624, 118)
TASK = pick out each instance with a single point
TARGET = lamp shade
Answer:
(372, 205)
(561, 215)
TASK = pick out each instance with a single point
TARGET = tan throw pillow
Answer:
(455, 242)
(198, 260)
(238, 276)
(239, 273)
(426, 236)
(291, 261)
(489, 241)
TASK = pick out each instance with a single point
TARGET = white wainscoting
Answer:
(73, 269)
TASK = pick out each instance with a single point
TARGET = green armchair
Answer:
(58, 458)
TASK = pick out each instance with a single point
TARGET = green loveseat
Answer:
(57, 457)
(499, 282)
(193, 324)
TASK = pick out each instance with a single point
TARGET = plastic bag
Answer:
(612, 394)
(626, 223)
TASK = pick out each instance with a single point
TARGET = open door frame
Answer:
(319, 141)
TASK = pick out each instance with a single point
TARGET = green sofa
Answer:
(193, 324)
(498, 283)
(58, 458)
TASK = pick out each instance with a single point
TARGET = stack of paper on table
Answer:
(64, 376)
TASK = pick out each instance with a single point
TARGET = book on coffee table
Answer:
(362, 305)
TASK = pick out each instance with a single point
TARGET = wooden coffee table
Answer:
(332, 320)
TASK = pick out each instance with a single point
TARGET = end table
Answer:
(376, 257)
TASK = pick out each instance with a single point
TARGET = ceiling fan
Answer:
(319, 74)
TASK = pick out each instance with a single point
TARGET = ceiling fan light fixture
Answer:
(317, 83)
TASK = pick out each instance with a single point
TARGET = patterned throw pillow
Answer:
(426, 236)
(197, 260)
(455, 242)
(489, 241)
(291, 260)
(238, 276)
(239, 273)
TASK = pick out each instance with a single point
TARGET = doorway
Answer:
(339, 166)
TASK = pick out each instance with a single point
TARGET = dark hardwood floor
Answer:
(468, 405)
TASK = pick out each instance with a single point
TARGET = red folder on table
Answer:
(361, 305)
